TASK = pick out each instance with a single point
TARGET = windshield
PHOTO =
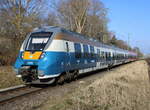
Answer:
(38, 41)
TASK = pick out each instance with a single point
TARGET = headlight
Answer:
(22, 55)
(42, 56)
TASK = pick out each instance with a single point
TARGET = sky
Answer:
(130, 19)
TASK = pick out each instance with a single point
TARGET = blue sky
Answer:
(130, 17)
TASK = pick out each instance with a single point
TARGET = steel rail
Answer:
(15, 92)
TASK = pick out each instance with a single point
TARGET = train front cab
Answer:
(33, 61)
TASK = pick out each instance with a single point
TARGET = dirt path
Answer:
(53, 96)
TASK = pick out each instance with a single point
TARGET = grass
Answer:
(148, 62)
(8, 77)
(126, 88)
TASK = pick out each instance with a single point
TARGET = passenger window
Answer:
(77, 47)
(109, 55)
(92, 51)
(86, 51)
(106, 55)
(98, 52)
(102, 54)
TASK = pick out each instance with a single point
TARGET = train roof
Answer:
(57, 29)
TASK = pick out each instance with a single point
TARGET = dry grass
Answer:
(126, 88)
(8, 77)
(148, 62)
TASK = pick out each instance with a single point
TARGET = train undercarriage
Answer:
(29, 75)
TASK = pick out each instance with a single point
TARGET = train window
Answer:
(86, 51)
(113, 56)
(116, 56)
(92, 51)
(38, 41)
(103, 56)
(98, 54)
(109, 55)
(77, 47)
(106, 55)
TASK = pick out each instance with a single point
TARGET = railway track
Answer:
(10, 94)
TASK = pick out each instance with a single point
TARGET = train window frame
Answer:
(106, 55)
(110, 55)
(103, 56)
(85, 51)
(92, 51)
(78, 51)
(35, 35)
(98, 54)
(114, 56)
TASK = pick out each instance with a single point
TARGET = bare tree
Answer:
(51, 20)
(17, 18)
(88, 17)
(97, 19)
(73, 14)
(18, 15)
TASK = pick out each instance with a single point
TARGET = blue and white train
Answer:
(52, 54)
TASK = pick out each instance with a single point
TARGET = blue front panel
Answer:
(56, 62)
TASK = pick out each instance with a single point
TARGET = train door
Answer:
(78, 55)
(111, 58)
(68, 55)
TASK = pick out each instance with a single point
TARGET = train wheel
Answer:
(61, 79)
(68, 77)
(75, 76)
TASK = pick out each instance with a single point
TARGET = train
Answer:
(53, 54)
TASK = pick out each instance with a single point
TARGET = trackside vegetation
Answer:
(8, 77)
(122, 89)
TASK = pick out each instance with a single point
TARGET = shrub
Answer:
(8, 52)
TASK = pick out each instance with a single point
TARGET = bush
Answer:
(8, 52)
